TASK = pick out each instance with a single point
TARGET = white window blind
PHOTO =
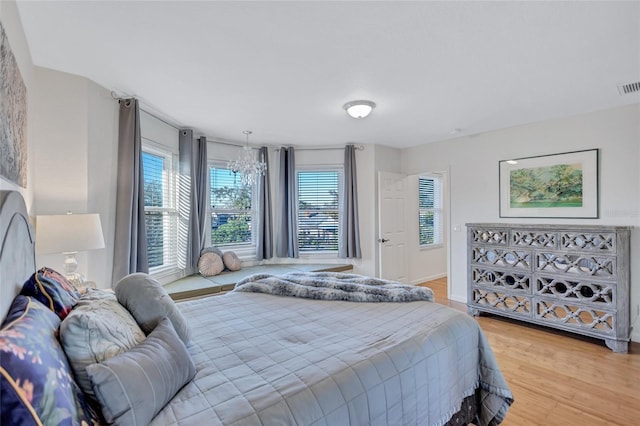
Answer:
(161, 214)
(430, 210)
(318, 210)
(232, 215)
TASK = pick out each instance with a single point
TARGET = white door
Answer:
(392, 236)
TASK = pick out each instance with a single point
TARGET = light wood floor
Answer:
(559, 378)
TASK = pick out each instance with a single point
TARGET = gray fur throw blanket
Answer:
(334, 286)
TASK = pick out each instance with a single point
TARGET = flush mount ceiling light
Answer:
(359, 109)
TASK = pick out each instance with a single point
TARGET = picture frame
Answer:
(13, 117)
(563, 185)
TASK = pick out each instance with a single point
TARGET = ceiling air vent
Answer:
(625, 89)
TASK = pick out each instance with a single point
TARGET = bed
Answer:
(262, 359)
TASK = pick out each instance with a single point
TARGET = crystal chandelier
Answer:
(249, 168)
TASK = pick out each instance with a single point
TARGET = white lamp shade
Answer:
(359, 109)
(66, 233)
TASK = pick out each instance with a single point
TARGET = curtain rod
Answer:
(332, 148)
(115, 96)
(229, 143)
(119, 98)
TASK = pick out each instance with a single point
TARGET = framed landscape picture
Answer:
(550, 186)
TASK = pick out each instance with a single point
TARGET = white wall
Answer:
(367, 206)
(157, 132)
(102, 158)
(386, 159)
(425, 264)
(473, 180)
(74, 134)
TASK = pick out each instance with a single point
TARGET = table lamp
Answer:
(68, 234)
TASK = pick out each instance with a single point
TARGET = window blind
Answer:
(430, 210)
(318, 210)
(161, 216)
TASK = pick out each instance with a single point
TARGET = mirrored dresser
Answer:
(573, 278)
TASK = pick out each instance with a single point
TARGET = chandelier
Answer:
(246, 164)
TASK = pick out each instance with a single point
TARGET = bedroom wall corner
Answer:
(366, 205)
(386, 159)
(59, 160)
(102, 158)
(75, 137)
(635, 242)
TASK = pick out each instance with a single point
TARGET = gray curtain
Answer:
(349, 238)
(193, 186)
(202, 173)
(287, 238)
(264, 248)
(130, 240)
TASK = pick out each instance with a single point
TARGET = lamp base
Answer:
(70, 266)
(76, 279)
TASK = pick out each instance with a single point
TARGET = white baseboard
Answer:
(457, 298)
(430, 278)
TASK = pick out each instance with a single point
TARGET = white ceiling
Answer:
(284, 69)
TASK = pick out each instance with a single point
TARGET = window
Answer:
(430, 210)
(232, 217)
(318, 210)
(160, 212)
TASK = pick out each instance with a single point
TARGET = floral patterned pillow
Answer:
(53, 290)
(36, 385)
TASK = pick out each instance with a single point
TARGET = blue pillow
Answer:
(52, 290)
(36, 384)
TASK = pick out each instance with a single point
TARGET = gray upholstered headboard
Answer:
(17, 255)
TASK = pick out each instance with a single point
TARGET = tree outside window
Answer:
(231, 208)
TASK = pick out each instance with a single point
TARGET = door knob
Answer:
(383, 240)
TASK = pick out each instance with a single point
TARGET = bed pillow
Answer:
(134, 386)
(97, 329)
(36, 384)
(210, 264)
(231, 261)
(53, 290)
(149, 302)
